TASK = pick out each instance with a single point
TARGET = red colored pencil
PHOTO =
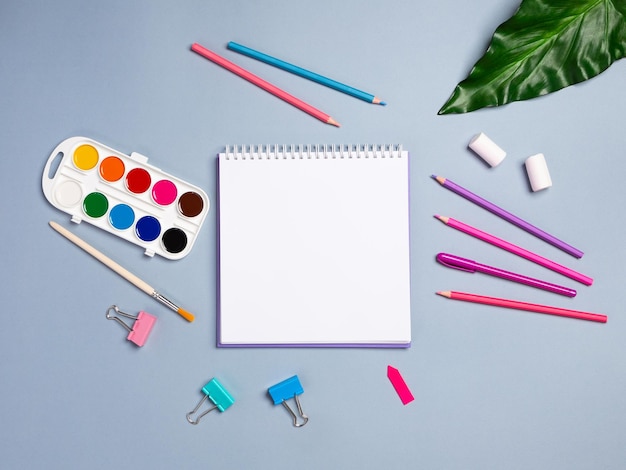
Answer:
(274, 90)
(497, 302)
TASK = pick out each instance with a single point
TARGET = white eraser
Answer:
(487, 149)
(538, 173)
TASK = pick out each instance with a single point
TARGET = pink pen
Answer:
(510, 247)
(463, 264)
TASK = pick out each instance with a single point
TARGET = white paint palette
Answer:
(125, 196)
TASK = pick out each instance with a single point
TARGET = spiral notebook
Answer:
(314, 246)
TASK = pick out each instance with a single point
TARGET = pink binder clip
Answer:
(140, 330)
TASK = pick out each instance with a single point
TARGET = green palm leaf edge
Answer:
(545, 46)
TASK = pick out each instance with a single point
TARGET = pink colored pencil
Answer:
(274, 90)
(510, 247)
(515, 304)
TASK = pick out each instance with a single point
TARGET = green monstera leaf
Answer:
(545, 46)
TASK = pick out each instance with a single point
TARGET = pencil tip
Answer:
(383, 103)
(332, 122)
(446, 293)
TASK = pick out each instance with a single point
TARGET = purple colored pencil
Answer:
(479, 201)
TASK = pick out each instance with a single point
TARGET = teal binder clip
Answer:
(215, 392)
(285, 390)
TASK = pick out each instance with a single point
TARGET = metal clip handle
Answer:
(118, 319)
(294, 416)
(192, 412)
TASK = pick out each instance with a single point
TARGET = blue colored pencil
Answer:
(281, 64)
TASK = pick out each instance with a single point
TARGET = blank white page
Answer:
(314, 249)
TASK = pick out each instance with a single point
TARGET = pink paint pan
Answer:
(125, 196)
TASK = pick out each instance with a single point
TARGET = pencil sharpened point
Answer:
(332, 122)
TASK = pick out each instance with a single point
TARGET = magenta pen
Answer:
(463, 264)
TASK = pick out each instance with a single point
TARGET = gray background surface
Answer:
(493, 388)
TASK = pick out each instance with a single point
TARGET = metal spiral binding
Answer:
(309, 151)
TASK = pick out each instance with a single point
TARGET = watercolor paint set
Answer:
(125, 196)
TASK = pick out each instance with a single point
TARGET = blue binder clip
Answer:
(285, 390)
(215, 392)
